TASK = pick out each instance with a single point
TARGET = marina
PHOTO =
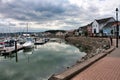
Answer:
(7, 47)
(10, 50)
(40, 62)
(59, 40)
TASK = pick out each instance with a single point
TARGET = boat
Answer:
(21, 40)
(2, 45)
(29, 43)
(9, 42)
(55, 40)
(40, 42)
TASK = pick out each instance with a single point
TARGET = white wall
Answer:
(95, 25)
(98, 27)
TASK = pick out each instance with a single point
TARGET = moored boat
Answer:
(29, 43)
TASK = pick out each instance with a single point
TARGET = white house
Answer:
(60, 34)
(97, 25)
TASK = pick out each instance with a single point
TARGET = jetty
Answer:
(10, 50)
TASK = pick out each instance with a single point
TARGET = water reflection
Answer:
(40, 62)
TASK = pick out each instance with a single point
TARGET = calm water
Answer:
(40, 63)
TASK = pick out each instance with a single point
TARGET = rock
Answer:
(91, 46)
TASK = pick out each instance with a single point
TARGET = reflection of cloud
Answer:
(55, 46)
(61, 47)
(44, 58)
(9, 72)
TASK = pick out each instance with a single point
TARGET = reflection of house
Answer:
(97, 25)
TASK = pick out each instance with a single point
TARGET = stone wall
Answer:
(89, 45)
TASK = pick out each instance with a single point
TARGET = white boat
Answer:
(41, 41)
(55, 40)
(29, 41)
(28, 45)
(21, 40)
(2, 45)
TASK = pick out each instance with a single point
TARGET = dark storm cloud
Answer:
(37, 10)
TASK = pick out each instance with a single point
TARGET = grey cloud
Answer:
(22, 23)
(44, 11)
(12, 24)
(41, 11)
(5, 24)
(38, 10)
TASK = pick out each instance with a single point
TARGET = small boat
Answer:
(21, 40)
(55, 40)
(47, 39)
(9, 42)
(29, 43)
(41, 41)
(2, 45)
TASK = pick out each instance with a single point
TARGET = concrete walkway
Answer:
(108, 68)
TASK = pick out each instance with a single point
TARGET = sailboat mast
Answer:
(27, 27)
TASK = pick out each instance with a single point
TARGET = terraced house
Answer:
(103, 26)
(100, 27)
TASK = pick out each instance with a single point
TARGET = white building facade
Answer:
(97, 25)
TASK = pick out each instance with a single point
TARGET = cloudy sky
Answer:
(43, 15)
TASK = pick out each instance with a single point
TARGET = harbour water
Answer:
(39, 63)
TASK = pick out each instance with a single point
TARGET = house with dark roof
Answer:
(81, 30)
(110, 29)
(99, 24)
(99, 27)
(85, 30)
(89, 29)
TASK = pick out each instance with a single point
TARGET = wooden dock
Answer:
(10, 50)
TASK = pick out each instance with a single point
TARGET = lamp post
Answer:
(117, 28)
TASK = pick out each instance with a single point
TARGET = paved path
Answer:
(107, 68)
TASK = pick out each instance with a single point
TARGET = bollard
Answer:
(16, 51)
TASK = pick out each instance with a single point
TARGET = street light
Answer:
(117, 28)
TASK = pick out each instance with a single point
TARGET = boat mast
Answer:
(27, 28)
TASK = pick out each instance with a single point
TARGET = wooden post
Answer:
(16, 51)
